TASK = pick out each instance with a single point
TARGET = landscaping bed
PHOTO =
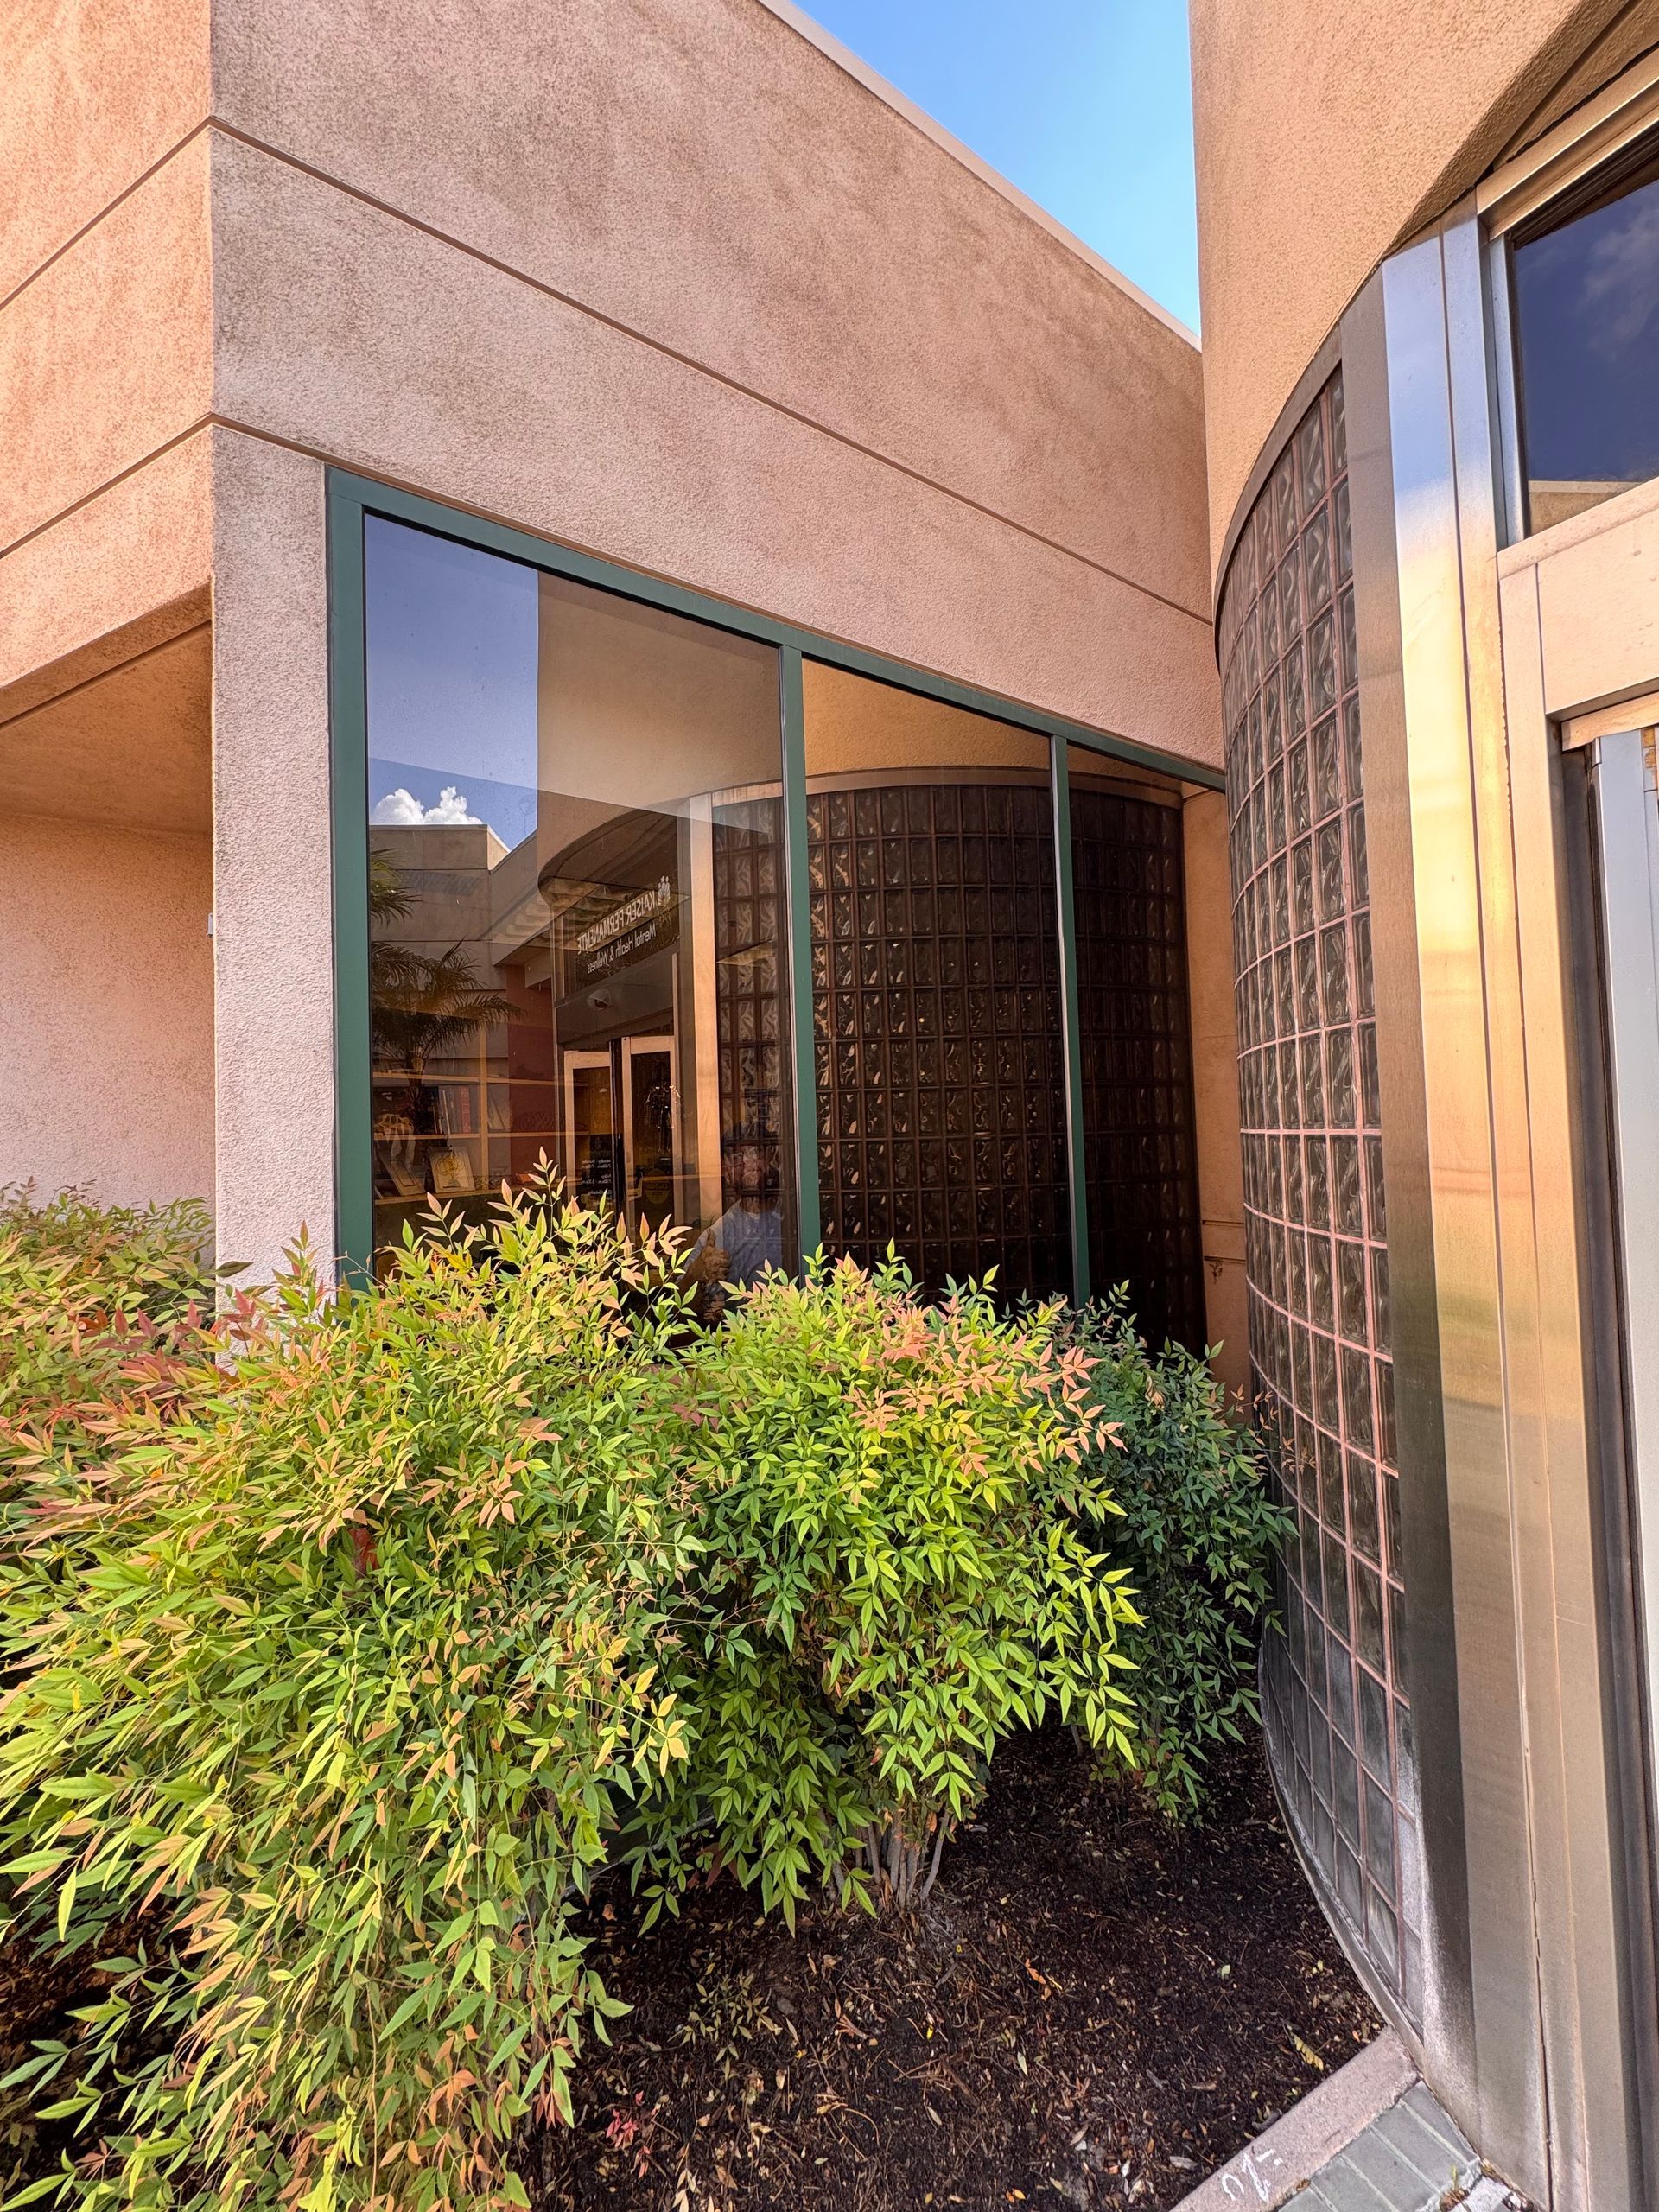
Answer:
(378, 1663)
(1093, 2008)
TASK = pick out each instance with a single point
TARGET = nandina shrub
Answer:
(344, 1638)
(95, 1301)
(342, 1669)
(900, 1563)
(151, 1258)
(1195, 1535)
(100, 1308)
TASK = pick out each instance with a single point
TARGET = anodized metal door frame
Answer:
(577, 1059)
(1623, 819)
(654, 1042)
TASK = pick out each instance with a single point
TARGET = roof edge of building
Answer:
(919, 119)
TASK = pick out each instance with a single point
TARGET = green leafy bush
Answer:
(158, 1252)
(341, 1657)
(897, 1569)
(1196, 1537)
(345, 1668)
(345, 1639)
(97, 1307)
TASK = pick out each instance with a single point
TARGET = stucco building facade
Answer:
(585, 583)
(674, 286)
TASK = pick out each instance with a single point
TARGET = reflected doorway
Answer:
(622, 1129)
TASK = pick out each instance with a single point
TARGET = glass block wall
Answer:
(1140, 1152)
(1337, 1716)
(936, 1007)
(940, 1054)
(748, 858)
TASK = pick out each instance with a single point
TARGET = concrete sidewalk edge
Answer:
(1265, 2172)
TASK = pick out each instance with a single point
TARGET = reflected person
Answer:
(748, 1237)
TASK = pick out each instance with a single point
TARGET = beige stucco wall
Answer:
(104, 356)
(93, 94)
(129, 747)
(1325, 136)
(108, 1009)
(656, 277)
(105, 860)
(697, 173)
(115, 574)
(273, 899)
(106, 993)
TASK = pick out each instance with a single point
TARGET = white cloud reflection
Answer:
(1620, 286)
(401, 809)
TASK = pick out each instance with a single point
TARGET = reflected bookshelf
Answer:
(455, 1136)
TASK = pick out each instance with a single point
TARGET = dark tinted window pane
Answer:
(1138, 1143)
(1586, 312)
(939, 1048)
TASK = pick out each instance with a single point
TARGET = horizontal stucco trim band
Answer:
(129, 566)
(187, 617)
(213, 125)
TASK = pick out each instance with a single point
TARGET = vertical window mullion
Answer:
(792, 711)
(348, 713)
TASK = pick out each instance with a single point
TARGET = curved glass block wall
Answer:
(940, 1053)
(936, 1007)
(936, 986)
(1337, 1716)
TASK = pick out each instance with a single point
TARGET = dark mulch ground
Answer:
(1092, 2010)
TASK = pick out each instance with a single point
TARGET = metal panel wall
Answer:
(1508, 1651)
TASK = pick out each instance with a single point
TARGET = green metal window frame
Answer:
(350, 498)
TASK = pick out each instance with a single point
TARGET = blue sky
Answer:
(452, 655)
(1086, 105)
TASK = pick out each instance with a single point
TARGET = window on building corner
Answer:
(577, 904)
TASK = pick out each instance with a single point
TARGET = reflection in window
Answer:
(576, 903)
(1138, 1157)
(1587, 315)
(936, 986)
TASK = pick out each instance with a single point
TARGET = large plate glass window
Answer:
(940, 1051)
(1135, 1044)
(576, 902)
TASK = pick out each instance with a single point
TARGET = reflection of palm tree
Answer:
(419, 1006)
(423, 1006)
(387, 899)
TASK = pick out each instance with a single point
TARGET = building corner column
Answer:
(273, 951)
